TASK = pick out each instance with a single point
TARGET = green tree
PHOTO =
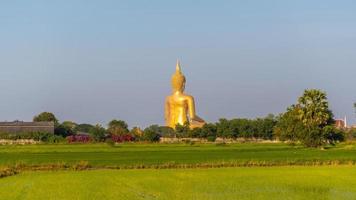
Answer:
(310, 121)
(118, 127)
(166, 131)
(118, 123)
(62, 131)
(314, 112)
(223, 128)
(137, 133)
(209, 131)
(163, 131)
(182, 131)
(265, 126)
(151, 133)
(117, 130)
(243, 128)
(85, 128)
(70, 126)
(333, 135)
(98, 133)
(196, 132)
(289, 126)
(46, 117)
(314, 109)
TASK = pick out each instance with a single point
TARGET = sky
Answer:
(92, 61)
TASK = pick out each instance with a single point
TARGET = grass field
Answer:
(287, 172)
(326, 182)
(156, 154)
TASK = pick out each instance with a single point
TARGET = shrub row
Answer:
(38, 136)
(80, 138)
(7, 171)
(84, 165)
(122, 138)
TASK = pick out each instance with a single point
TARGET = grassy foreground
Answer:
(327, 182)
(281, 181)
(99, 155)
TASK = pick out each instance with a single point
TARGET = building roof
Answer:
(19, 123)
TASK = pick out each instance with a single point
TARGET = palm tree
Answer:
(313, 108)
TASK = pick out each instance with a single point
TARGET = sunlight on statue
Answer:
(180, 107)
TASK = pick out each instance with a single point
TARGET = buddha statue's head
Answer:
(178, 80)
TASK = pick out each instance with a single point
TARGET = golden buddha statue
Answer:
(180, 107)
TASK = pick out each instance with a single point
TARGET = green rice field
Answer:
(178, 171)
(100, 155)
(327, 182)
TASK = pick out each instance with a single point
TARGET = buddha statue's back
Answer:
(180, 107)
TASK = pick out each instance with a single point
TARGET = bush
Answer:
(62, 131)
(182, 131)
(210, 132)
(333, 135)
(166, 131)
(195, 133)
(151, 135)
(54, 139)
(351, 134)
(67, 128)
(122, 138)
(110, 142)
(312, 138)
(211, 138)
(4, 172)
(78, 138)
(82, 165)
(98, 133)
(188, 141)
(38, 136)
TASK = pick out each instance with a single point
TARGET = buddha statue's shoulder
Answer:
(170, 97)
(189, 97)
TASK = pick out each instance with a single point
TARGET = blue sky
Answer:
(92, 61)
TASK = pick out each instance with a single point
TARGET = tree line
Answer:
(309, 122)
